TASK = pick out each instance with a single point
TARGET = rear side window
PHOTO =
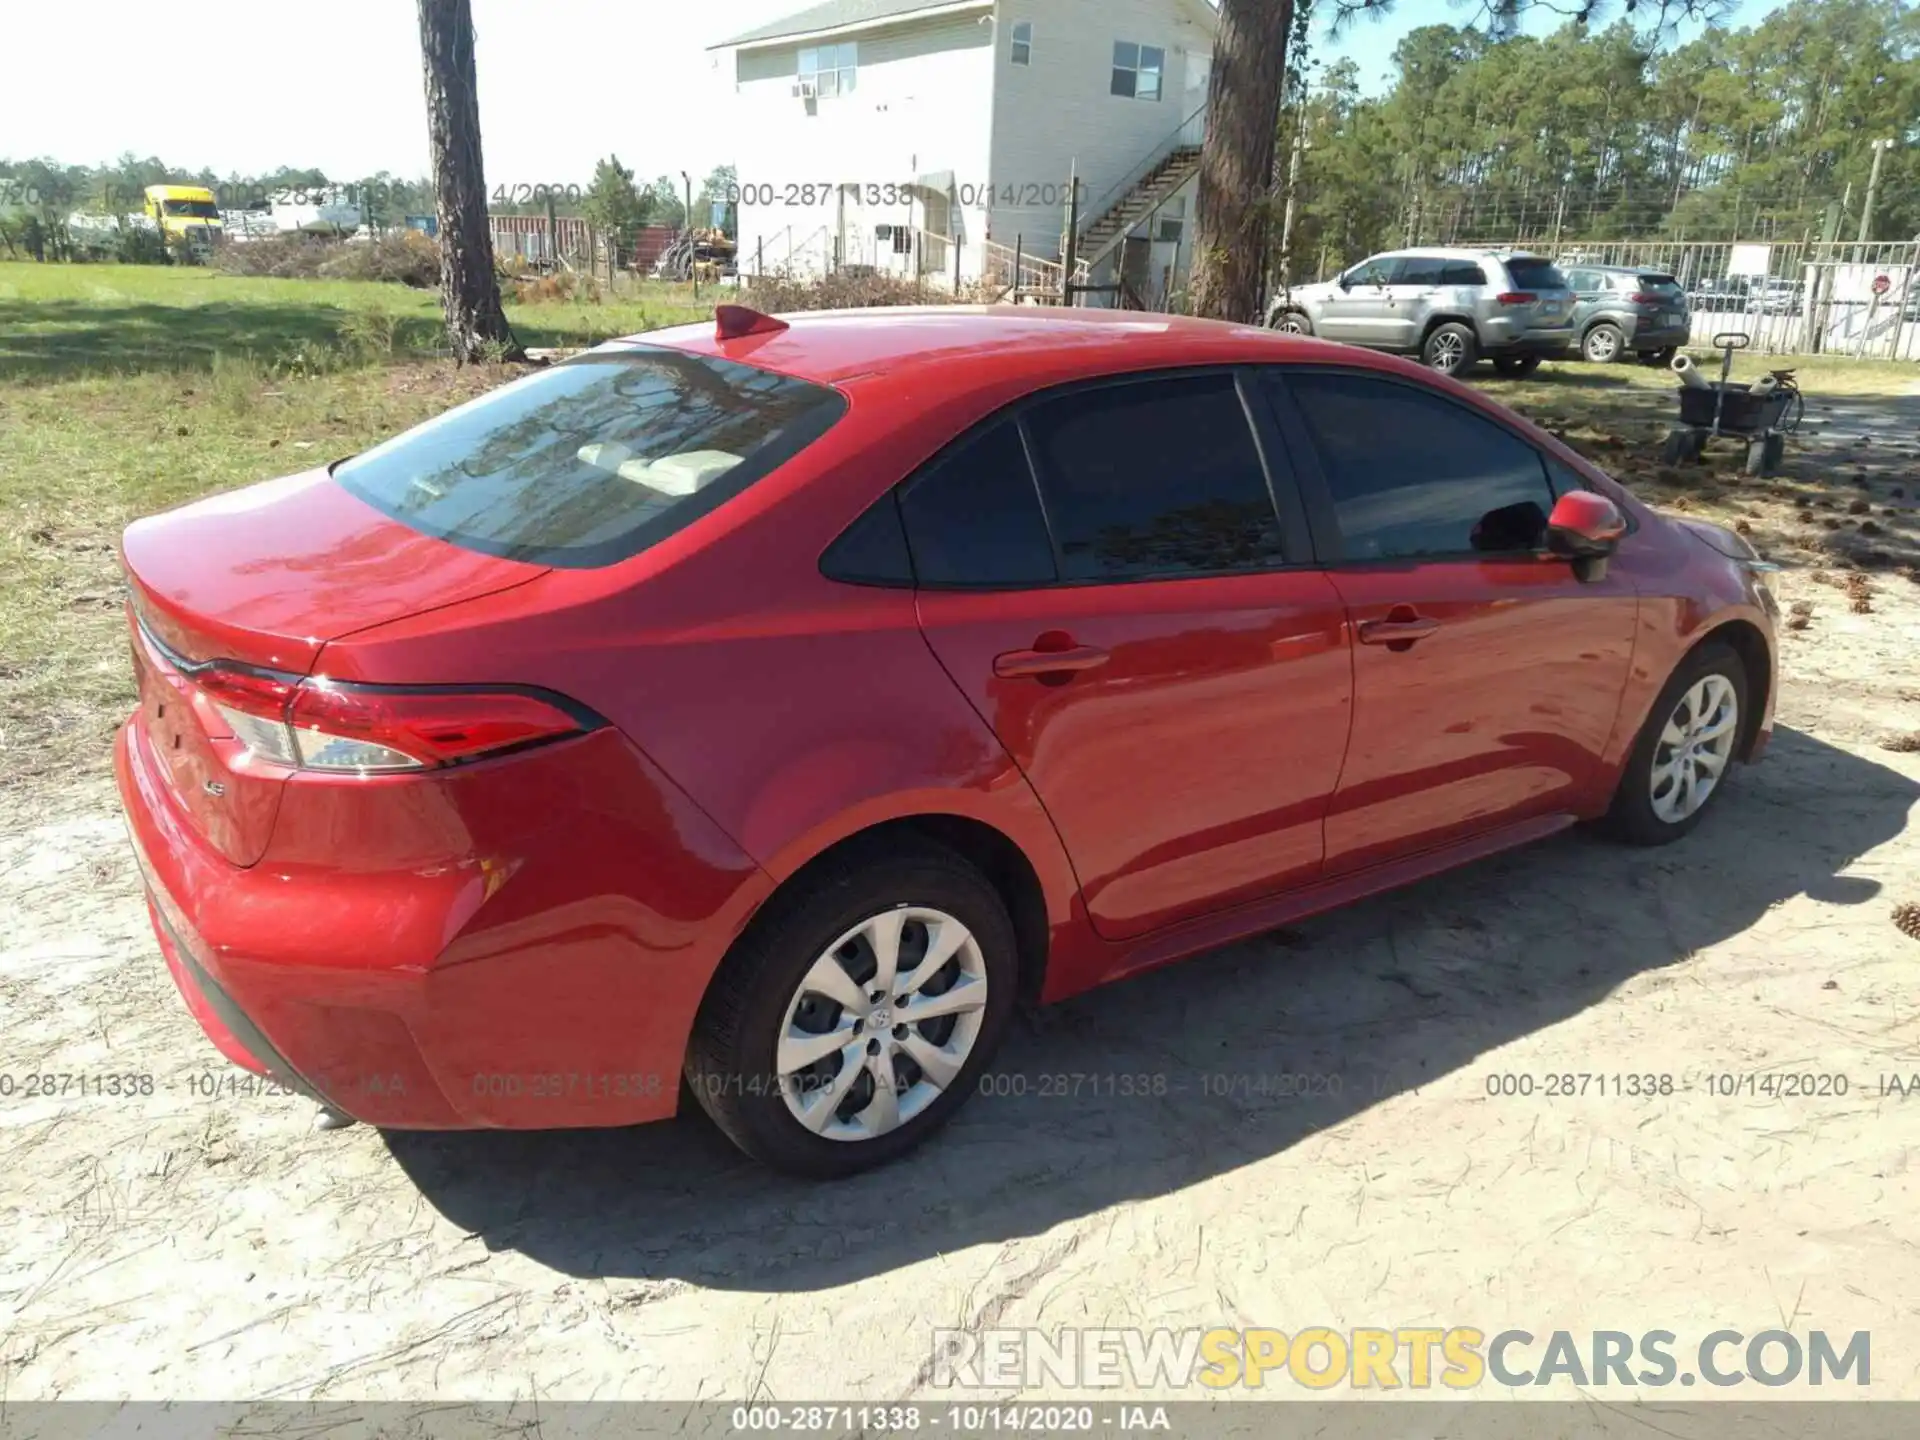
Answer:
(1463, 272)
(1158, 477)
(591, 461)
(973, 517)
(1421, 270)
(1530, 272)
(1415, 475)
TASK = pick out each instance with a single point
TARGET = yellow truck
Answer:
(185, 213)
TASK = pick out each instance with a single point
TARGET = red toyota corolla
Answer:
(772, 705)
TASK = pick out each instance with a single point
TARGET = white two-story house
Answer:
(937, 138)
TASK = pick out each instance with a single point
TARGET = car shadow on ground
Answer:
(1393, 994)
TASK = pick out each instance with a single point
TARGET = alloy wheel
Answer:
(1603, 344)
(1447, 352)
(882, 1023)
(1290, 324)
(1694, 748)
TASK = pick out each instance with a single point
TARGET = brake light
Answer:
(1516, 297)
(1643, 297)
(321, 724)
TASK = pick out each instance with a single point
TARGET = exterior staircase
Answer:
(1154, 189)
(1171, 163)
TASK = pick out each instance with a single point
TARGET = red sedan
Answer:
(760, 710)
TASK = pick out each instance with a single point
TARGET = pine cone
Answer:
(1861, 605)
(1902, 744)
(1907, 918)
(1797, 622)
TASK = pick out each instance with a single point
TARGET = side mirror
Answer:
(1345, 282)
(1585, 528)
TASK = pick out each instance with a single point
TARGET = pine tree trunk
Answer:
(1236, 164)
(469, 292)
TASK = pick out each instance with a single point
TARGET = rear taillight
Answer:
(1644, 297)
(1516, 297)
(320, 724)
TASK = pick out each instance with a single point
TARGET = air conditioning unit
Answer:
(806, 90)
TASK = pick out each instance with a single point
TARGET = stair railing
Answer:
(1190, 132)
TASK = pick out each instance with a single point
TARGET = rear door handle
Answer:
(1397, 631)
(1018, 663)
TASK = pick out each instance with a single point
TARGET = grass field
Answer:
(125, 390)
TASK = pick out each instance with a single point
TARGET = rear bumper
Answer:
(1504, 337)
(515, 985)
(1659, 337)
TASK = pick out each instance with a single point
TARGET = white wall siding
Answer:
(817, 178)
(1058, 111)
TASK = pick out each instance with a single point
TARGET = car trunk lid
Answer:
(1546, 300)
(261, 579)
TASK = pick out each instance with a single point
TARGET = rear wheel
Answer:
(855, 1018)
(1602, 344)
(1681, 760)
(1516, 367)
(1451, 349)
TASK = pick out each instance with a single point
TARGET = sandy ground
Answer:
(209, 1245)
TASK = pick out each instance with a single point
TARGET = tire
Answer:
(1291, 322)
(1451, 349)
(1636, 815)
(1603, 344)
(1516, 367)
(1662, 357)
(759, 995)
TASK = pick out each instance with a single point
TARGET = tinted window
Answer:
(593, 460)
(1421, 270)
(973, 517)
(1415, 474)
(1532, 273)
(1463, 272)
(1155, 478)
(872, 550)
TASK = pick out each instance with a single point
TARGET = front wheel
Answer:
(1291, 322)
(1681, 759)
(1516, 367)
(1451, 349)
(853, 1020)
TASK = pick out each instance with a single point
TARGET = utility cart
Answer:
(1761, 421)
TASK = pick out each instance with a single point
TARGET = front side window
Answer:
(196, 209)
(593, 460)
(1378, 271)
(831, 68)
(1414, 475)
(1154, 478)
(1023, 42)
(1137, 70)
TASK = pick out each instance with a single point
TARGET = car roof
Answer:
(1036, 343)
(1460, 252)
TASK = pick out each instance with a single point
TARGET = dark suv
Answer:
(1621, 311)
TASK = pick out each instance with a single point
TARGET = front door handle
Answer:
(1015, 664)
(1397, 631)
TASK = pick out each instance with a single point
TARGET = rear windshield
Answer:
(595, 459)
(1531, 273)
(1658, 282)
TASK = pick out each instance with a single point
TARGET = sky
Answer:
(250, 85)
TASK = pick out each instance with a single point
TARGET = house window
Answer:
(830, 67)
(1137, 70)
(1023, 42)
